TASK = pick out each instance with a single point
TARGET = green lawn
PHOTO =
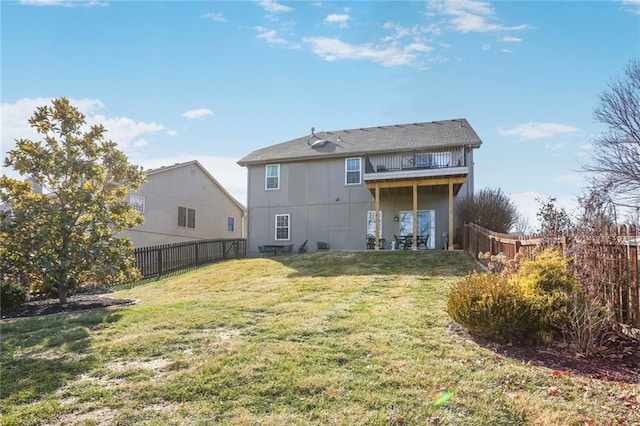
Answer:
(347, 338)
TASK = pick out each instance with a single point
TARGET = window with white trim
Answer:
(231, 223)
(186, 217)
(272, 176)
(137, 202)
(282, 226)
(352, 169)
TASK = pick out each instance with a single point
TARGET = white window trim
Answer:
(266, 177)
(288, 227)
(141, 202)
(346, 171)
(234, 223)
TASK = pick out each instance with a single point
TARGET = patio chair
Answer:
(399, 242)
(266, 251)
(323, 245)
(303, 248)
(288, 249)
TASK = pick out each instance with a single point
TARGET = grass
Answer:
(325, 338)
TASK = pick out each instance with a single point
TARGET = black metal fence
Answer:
(163, 259)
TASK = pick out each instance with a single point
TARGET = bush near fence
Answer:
(163, 259)
(620, 263)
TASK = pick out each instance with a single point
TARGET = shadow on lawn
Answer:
(39, 356)
(384, 262)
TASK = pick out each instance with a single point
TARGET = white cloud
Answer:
(537, 130)
(506, 51)
(273, 6)
(418, 47)
(470, 15)
(127, 133)
(632, 6)
(215, 16)
(172, 133)
(528, 205)
(195, 114)
(224, 169)
(331, 49)
(508, 39)
(555, 146)
(270, 36)
(341, 19)
(486, 46)
(63, 3)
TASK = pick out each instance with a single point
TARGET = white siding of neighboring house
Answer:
(189, 186)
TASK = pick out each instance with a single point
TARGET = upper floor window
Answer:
(137, 202)
(282, 226)
(272, 177)
(186, 217)
(352, 167)
(231, 223)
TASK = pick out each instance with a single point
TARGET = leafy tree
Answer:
(68, 235)
(490, 208)
(616, 154)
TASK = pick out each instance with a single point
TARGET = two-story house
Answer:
(184, 202)
(371, 187)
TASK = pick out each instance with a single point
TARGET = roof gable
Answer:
(205, 171)
(394, 138)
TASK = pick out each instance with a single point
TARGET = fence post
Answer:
(196, 252)
(633, 278)
(159, 250)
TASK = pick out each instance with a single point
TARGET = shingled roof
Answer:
(395, 138)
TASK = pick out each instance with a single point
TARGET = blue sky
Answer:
(213, 81)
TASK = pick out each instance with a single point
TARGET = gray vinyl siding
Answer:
(191, 187)
(324, 208)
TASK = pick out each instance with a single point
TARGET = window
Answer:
(272, 178)
(231, 224)
(352, 171)
(371, 223)
(282, 227)
(137, 202)
(186, 217)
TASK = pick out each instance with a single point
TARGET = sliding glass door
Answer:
(426, 225)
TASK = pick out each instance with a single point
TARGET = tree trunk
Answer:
(62, 293)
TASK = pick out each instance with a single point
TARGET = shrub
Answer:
(588, 324)
(490, 305)
(12, 294)
(547, 285)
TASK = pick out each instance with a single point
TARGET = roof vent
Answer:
(319, 143)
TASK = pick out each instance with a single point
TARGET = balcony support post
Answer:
(414, 244)
(377, 236)
(450, 242)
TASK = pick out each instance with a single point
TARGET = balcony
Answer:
(415, 165)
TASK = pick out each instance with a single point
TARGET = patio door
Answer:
(426, 225)
(371, 223)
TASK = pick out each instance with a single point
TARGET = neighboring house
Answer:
(184, 202)
(331, 186)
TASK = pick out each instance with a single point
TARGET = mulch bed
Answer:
(76, 303)
(617, 360)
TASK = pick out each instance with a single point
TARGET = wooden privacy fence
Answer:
(619, 263)
(157, 260)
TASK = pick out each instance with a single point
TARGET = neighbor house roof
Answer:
(206, 172)
(394, 138)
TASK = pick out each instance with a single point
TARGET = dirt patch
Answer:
(617, 360)
(77, 303)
